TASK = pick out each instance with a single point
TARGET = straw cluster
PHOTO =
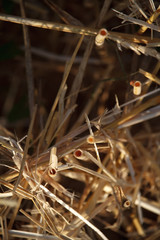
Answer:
(87, 167)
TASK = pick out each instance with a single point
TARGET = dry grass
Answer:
(88, 166)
